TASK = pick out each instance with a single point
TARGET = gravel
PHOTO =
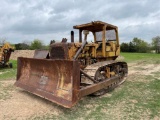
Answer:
(22, 53)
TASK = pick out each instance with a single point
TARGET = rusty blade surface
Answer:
(55, 80)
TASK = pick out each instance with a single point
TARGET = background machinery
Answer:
(5, 52)
(72, 70)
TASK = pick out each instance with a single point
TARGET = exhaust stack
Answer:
(72, 36)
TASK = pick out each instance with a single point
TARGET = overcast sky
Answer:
(25, 20)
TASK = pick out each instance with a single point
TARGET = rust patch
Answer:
(51, 79)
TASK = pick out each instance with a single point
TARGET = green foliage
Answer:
(136, 45)
(156, 44)
(36, 44)
(22, 46)
(140, 45)
(132, 47)
(46, 47)
(155, 41)
(124, 47)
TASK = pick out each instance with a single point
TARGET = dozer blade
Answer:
(55, 80)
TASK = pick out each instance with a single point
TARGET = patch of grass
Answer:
(137, 98)
(9, 73)
(156, 74)
(132, 100)
(153, 103)
(131, 57)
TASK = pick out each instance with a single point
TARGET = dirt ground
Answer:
(22, 53)
(21, 105)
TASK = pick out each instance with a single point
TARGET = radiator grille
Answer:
(57, 52)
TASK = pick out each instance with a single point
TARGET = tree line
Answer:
(136, 45)
(27, 45)
(35, 44)
(140, 46)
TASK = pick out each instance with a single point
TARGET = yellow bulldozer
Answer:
(71, 70)
(5, 51)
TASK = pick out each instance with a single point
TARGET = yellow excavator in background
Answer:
(5, 53)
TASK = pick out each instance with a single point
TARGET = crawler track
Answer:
(103, 71)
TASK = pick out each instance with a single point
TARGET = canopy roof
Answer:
(95, 26)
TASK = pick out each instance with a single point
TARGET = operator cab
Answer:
(105, 36)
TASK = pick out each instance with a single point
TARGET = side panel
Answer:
(55, 80)
(41, 54)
